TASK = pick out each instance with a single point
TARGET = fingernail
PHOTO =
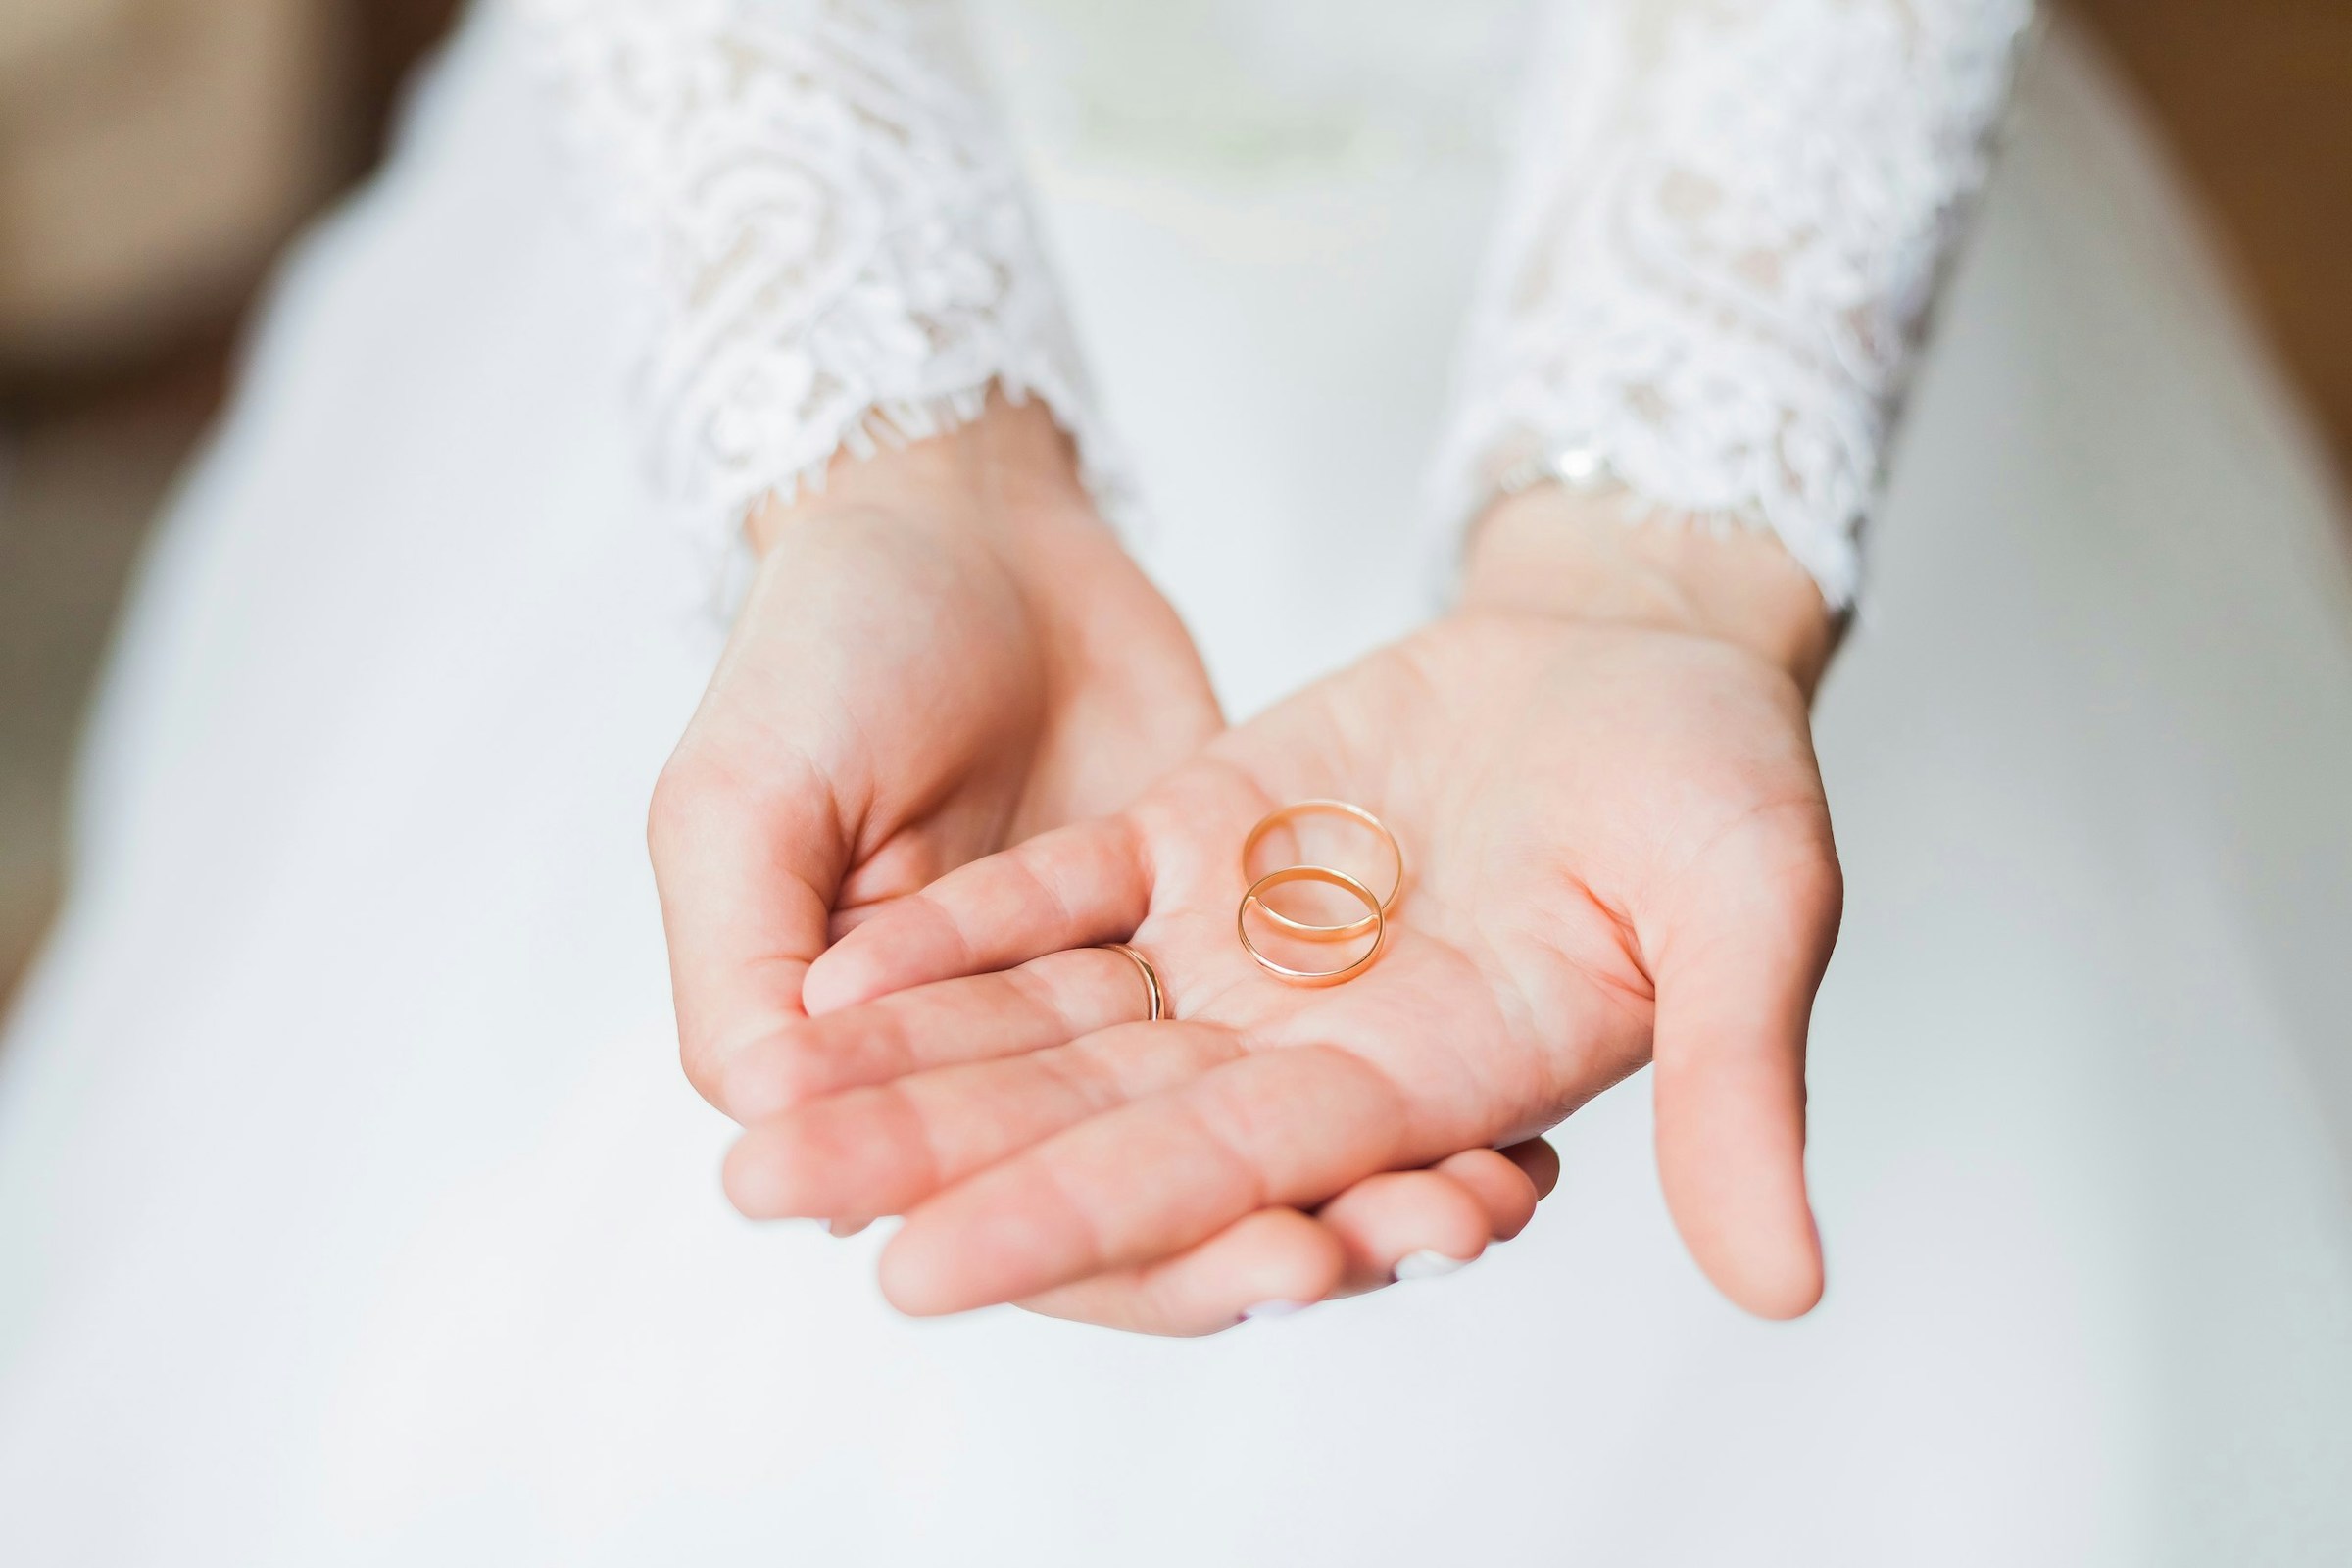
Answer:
(845, 1228)
(1427, 1264)
(1272, 1309)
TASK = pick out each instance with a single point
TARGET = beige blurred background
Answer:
(156, 154)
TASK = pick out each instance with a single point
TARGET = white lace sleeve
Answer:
(834, 242)
(1720, 250)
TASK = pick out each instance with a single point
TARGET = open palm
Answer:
(1617, 836)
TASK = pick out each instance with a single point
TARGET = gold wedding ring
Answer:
(1377, 922)
(1152, 993)
(1382, 907)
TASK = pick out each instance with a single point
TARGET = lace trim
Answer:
(831, 226)
(1716, 267)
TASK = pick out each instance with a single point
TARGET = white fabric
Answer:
(1716, 264)
(353, 1209)
(833, 246)
(1710, 281)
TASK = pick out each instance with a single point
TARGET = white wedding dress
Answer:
(353, 1209)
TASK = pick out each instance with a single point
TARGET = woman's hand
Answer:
(1602, 774)
(944, 652)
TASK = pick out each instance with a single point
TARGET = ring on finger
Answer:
(1153, 1000)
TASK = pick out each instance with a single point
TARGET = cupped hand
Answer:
(944, 652)
(1620, 853)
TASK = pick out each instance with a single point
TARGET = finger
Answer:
(1737, 967)
(847, 920)
(1265, 1264)
(1051, 1001)
(746, 867)
(1506, 1194)
(1278, 1128)
(1540, 1161)
(913, 859)
(882, 1150)
(1408, 1225)
(1071, 888)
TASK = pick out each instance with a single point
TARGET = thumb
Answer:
(748, 868)
(1740, 952)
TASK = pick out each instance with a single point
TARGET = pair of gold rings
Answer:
(1375, 923)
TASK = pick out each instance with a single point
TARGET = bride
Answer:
(351, 1207)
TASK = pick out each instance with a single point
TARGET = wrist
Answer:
(997, 501)
(1011, 470)
(1549, 551)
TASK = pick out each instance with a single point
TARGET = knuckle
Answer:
(702, 1068)
(708, 780)
(1784, 847)
(1813, 881)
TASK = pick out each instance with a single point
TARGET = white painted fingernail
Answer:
(1252, 1314)
(1427, 1264)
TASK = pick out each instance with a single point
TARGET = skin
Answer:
(945, 653)
(1601, 771)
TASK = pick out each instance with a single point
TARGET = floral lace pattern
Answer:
(832, 224)
(1729, 223)
(1725, 236)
